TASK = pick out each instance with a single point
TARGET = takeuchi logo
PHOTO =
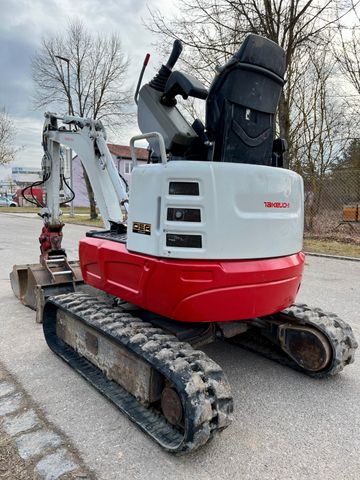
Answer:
(276, 204)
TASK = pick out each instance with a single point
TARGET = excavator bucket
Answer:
(33, 283)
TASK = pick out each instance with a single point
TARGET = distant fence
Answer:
(332, 206)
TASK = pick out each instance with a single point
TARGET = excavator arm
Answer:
(87, 138)
(33, 283)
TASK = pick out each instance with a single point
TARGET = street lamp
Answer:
(69, 151)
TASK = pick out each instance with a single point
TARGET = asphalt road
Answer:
(286, 425)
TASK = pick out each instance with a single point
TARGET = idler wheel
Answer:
(310, 348)
(171, 406)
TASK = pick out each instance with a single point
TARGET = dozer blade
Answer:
(32, 284)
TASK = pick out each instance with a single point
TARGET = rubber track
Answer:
(199, 381)
(338, 332)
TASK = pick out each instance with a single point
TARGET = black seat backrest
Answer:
(242, 102)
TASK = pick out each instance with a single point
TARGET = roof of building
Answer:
(124, 151)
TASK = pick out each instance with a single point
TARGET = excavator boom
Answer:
(55, 274)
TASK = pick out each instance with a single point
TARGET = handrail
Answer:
(145, 136)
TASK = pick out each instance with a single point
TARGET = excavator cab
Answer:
(240, 107)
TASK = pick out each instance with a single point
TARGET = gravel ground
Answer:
(286, 425)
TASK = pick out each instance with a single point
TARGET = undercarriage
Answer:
(149, 368)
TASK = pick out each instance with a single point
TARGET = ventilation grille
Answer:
(184, 188)
(184, 241)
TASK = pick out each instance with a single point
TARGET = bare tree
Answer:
(98, 79)
(320, 132)
(348, 55)
(7, 133)
(213, 29)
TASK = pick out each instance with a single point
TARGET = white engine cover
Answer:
(240, 212)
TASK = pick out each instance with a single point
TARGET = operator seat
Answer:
(242, 102)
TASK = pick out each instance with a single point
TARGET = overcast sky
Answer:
(25, 22)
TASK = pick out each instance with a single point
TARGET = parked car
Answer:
(6, 202)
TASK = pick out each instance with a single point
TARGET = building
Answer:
(7, 188)
(24, 176)
(123, 163)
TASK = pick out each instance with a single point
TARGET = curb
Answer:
(334, 257)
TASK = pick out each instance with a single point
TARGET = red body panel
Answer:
(192, 290)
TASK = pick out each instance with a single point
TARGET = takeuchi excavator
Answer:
(205, 246)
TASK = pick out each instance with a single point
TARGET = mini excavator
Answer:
(205, 246)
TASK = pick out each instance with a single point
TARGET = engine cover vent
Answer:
(184, 188)
(183, 241)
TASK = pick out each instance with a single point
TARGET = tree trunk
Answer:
(93, 212)
(284, 125)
